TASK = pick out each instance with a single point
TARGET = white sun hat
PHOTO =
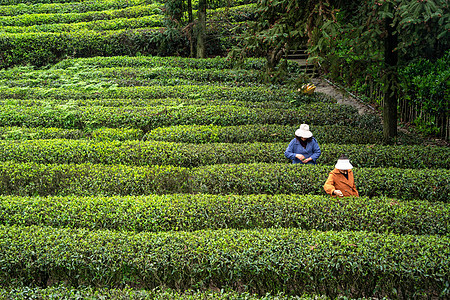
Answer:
(343, 164)
(303, 131)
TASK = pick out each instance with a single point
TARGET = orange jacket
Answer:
(337, 181)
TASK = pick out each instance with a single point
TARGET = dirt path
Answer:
(342, 97)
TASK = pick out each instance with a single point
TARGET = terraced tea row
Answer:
(169, 102)
(29, 179)
(139, 77)
(67, 18)
(192, 155)
(42, 48)
(271, 133)
(203, 134)
(207, 92)
(48, 38)
(100, 134)
(147, 118)
(186, 212)
(138, 71)
(153, 21)
(286, 260)
(220, 63)
(40, 7)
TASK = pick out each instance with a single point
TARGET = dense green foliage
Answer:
(42, 34)
(27, 179)
(285, 260)
(10, 8)
(149, 117)
(186, 212)
(27, 133)
(426, 184)
(192, 155)
(425, 85)
(63, 292)
(201, 134)
(269, 133)
(357, 43)
(352, 45)
(108, 91)
(124, 175)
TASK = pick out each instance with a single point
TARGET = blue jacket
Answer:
(312, 150)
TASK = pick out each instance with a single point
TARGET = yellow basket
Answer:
(308, 89)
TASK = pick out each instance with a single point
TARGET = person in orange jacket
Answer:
(341, 182)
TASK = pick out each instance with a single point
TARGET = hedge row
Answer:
(241, 13)
(28, 179)
(100, 25)
(203, 134)
(193, 134)
(194, 2)
(210, 75)
(72, 104)
(270, 133)
(71, 293)
(271, 260)
(148, 118)
(186, 212)
(45, 48)
(139, 76)
(18, 2)
(100, 134)
(193, 155)
(89, 179)
(64, 7)
(432, 185)
(40, 19)
(207, 92)
(156, 61)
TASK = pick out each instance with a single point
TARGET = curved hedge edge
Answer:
(258, 261)
(186, 212)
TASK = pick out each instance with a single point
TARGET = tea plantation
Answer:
(144, 177)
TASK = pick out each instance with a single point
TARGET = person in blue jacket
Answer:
(303, 149)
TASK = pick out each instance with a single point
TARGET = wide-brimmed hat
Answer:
(303, 131)
(343, 163)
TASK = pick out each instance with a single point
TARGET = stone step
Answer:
(297, 54)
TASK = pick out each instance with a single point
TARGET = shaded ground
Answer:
(342, 97)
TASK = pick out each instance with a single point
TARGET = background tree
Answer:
(180, 15)
(281, 25)
(371, 34)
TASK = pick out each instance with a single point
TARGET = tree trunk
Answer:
(390, 95)
(191, 32)
(201, 29)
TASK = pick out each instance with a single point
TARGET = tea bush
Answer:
(270, 133)
(276, 260)
(193, 155)
(187, 212)
(27, 179)
(147, 118)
